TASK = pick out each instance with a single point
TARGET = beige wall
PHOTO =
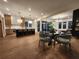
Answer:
(2, 26)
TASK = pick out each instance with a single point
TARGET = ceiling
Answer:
(47, 7)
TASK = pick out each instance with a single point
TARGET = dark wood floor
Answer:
(27, 48)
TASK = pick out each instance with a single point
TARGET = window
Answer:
(38, 26)
(26, 24)
(30, 23)
(44, 27)
(69, 24)
(60, 25)
(64, 25)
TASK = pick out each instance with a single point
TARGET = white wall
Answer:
(3, 24)
(35, 25)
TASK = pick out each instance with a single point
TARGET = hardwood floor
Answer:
(27, 48)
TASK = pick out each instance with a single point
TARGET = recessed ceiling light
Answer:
(29, 9)
(23, 16)
(29, 21)
(5, 0)
(36, 16)
(39, 19)
(7, 9)
(42, 13)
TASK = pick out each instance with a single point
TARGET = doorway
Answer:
(0, 29)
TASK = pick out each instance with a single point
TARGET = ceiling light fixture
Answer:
(19, 21)
(5, 0)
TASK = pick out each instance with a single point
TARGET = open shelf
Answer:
(75, 23)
